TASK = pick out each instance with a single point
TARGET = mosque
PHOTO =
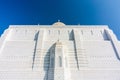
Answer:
(59, 52)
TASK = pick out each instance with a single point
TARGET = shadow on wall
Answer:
(49, 62)
(36, 40)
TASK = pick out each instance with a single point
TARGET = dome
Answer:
(58, 24)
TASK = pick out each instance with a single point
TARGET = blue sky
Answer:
(84, 12)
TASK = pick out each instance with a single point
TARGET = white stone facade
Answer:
(59, 52)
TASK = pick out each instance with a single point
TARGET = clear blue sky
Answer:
(84, 12)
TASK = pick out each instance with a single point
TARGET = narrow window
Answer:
(82, 32)
(101, 32)
(60, 61)
(59, 32)
(91, 32)
(25, 32)
(68, 32)
(16, 30)
(66, 61)
(49, 32)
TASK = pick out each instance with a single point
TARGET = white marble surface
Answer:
(59, 52)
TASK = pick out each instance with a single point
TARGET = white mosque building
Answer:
(59, 52)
